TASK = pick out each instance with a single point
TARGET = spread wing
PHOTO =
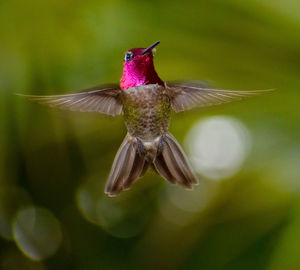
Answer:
(185, 96)
(102, 100)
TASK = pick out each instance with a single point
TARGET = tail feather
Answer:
(175, 167)
(120, 168)
(128, 166)
(136, 171)
(131, 163)
(182, 160)
(160, 166)
(172, 163)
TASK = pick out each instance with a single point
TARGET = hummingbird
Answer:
(146, 102)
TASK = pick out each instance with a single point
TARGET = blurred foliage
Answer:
(53, 164)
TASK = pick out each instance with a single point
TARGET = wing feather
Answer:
(105, 100)
(185, 96)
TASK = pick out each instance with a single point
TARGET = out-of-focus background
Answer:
(245, 214)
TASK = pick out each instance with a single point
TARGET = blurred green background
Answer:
(245, 214)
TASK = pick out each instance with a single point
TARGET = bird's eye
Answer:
(128, 56)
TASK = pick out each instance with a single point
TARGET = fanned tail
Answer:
(128, 166)
(133, 159)
(172, 164)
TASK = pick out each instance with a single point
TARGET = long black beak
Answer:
(150, 48)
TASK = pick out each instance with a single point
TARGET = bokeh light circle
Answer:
(217, 146)
(37, 232)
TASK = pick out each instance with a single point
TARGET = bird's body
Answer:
(147, 110)
(146, 103)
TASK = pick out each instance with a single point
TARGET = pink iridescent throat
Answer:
(139, 71)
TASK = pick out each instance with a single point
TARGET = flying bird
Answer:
(145, 101)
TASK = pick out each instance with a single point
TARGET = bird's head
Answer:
(139, 68)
